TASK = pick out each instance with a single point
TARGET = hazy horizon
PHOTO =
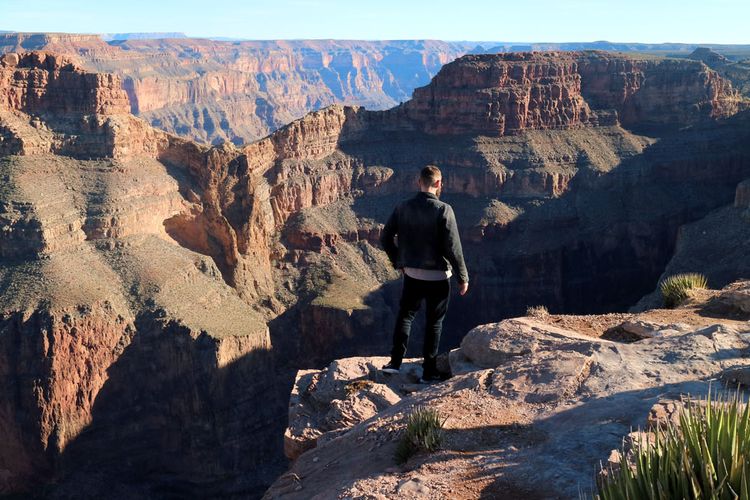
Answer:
(576, 21)
(486, 42)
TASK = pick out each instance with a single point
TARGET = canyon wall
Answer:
(124, 354)
(239, 91)
(529, 197)
(501, 94)
(215, 91)
(551, 214)
(158, 294)
(36, 83)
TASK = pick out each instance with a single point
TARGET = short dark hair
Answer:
(429, 175)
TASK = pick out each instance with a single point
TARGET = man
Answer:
(421, 239)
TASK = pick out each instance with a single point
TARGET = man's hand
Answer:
(463, 288)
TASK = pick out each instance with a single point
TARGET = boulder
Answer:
(648, 329)
(325, 403)
(736, 296)
(488, 346)
(548, 378)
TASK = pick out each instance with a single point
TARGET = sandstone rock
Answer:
(500, 94)
(507, 93)
(87, 340)
(35, 82)
(738, 377)
(459, 363)
(664, 413)
(549, 378)
(572, 403)
(735, 71)
(413, 488)
(10, 60)
(736, 297)
(650, 329)
(215, 91)
(332, 400)
(488, 346)
(106, 309)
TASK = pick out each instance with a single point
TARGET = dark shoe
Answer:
(391, 368)
(430, 378)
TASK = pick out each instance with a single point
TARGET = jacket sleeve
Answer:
(388, 237)
(452, 246)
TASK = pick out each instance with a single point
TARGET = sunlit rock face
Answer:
(215, 91)
(116, 342)
(159, 294)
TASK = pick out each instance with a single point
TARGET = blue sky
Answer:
(651, 21)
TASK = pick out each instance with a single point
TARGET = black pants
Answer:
(435, 294)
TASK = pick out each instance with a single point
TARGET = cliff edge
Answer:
(534, 406)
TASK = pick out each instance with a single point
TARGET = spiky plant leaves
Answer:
(676, 288)
(706, 456)
(424, 432)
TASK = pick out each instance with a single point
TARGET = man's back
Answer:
(427, 236)
(421, 238)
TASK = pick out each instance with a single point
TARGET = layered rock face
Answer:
(503, 94)
(214, 91)
(738, 72)
(115, 341)
(533, 200)
(550, 216)
(50, 105)
(36, 83)
(170, 268)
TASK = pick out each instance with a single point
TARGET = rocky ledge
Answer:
(501, 94)
(533, 407)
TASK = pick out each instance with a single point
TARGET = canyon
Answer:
(239, 91)
(215, 91)
(159, 294)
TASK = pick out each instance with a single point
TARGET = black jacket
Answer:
(427, 236)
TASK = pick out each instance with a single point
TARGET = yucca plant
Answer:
(706, 457)
(675, 289)
(424, 432)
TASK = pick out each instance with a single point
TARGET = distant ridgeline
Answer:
(108, 37)
(215, 90)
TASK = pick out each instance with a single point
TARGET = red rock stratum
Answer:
(215, 91)
(158, 295)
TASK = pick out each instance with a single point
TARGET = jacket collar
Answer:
(425, 194)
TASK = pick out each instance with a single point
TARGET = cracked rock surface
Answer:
(532, 410)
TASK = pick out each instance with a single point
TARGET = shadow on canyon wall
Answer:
(597, 248)
(601, 245)
(169, 423)
(207, 431)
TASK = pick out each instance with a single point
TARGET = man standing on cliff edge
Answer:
(421, 239)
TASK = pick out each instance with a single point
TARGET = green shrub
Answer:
(706, 457)
(424, 432)
(675, 289)
(537, 311)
